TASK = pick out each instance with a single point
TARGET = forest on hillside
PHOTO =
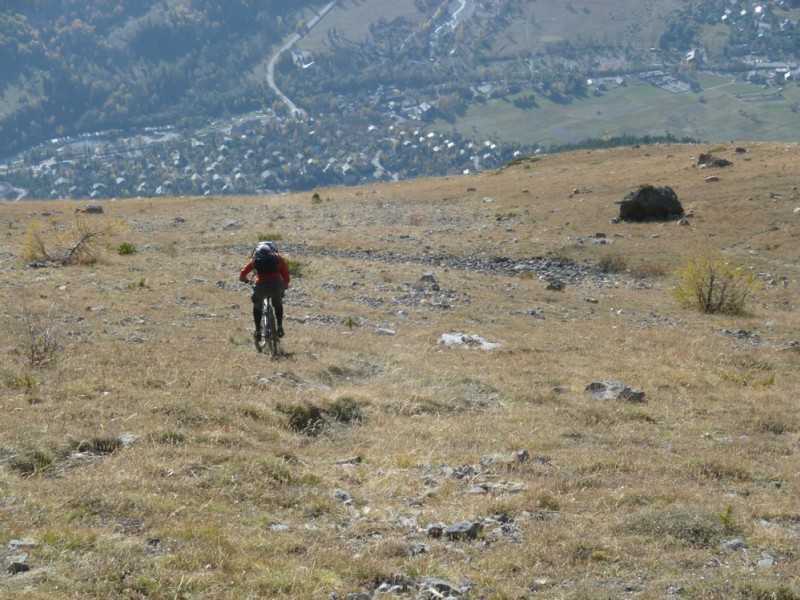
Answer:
(71, 66)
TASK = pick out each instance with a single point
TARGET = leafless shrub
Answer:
(40, 342)
(77, 242)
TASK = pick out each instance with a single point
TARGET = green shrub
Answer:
(31, 463)
(700, 530)
(346, 409)
(100, 445)
(296, 268)
(26, 381)
(303, 417)
(270, 237)
(712, 284)
(126, 249)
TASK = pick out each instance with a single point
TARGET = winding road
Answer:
(296, 111)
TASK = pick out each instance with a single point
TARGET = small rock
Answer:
(734, 544)
(435, 530)
(342, 496)
(18, 567)
(766, 562)
(556, 285)
(614, 390)
(90, 209)
(712, 178)
(465, 530)
(438, 587)
(491, 458)
(683, 222)
(428, 277)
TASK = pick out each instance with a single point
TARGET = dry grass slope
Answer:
(152, 453)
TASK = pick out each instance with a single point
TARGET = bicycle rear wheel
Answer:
(272, 339)
(261, 340)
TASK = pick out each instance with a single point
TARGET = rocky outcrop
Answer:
(651, 203)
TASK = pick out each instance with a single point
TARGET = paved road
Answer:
(293, 108)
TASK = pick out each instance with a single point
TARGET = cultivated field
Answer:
(147, 450)
(722, 111)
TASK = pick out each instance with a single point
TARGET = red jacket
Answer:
(281, 273)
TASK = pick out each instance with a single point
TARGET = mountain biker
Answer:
(272, 283)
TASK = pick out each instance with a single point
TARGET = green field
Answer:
(723, 110)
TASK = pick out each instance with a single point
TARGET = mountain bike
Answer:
(269, 329)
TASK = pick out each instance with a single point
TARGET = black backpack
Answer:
(265, 259)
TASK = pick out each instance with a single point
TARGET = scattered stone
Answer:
(428, 277)
(555, 285)
(437, 588)
(684, 222)
(153, 543)
(519, 456)
(766, 562)
(744, 335)
(650, 203)
(15, 567)
(435, 530)
(614, 390)
(469, 341)
(279, 527)
(417, 549)
(90, 209)
(384, 331)
(712, 178)
(465, 530)
(487, 200)
(741, 150)
(709, 160)
(734, 544)
(342, 496)
(17, 544)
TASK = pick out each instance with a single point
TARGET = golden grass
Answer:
(156, 455)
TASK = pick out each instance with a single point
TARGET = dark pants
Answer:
(273, 290)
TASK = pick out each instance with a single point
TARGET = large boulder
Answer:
(650, 203)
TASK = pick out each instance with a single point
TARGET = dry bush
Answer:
(712, 283)
(40, 343)
(79, 241)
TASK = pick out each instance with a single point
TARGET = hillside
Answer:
(148, 451)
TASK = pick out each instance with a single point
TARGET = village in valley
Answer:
(389, 132)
